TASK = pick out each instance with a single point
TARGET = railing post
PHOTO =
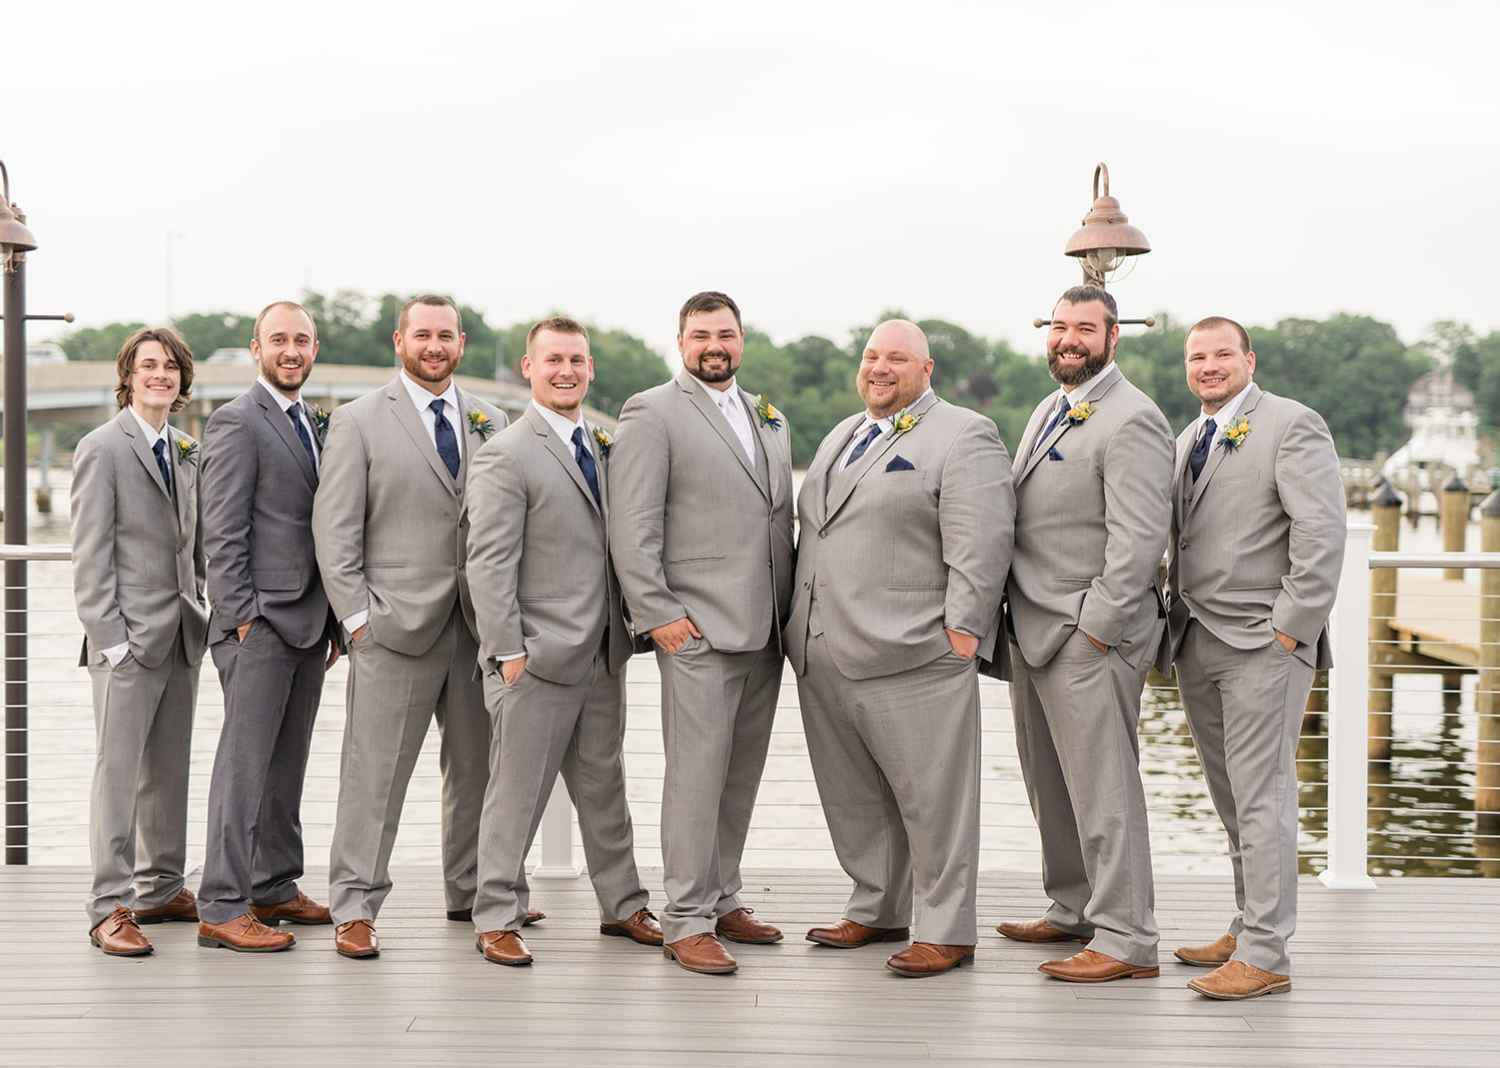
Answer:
(1348, 774)
(557, 837)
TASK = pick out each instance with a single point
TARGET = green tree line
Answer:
(1353, 369)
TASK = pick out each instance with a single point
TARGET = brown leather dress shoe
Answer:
(1086, 966)
(467, 916)
(244, 934)
(741, 926)
(503, 947)
(701, 953)
(118, 935)
(642, 928)
(1237, 980)
(1037, 931)
(184, 906)
(921, 959)
(1208, 956)
(846, 934)
(300, 909)
(356, 939)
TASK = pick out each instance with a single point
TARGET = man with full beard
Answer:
(271, 638)
(1093, 475)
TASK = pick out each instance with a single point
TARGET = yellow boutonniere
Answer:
(1236, 433)
(1079, 412)
(320, 422)
(903, 422)
(187, 451)
(604, 440)
(480, 424)
(769, 416)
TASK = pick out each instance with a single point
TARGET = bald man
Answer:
(907, 520)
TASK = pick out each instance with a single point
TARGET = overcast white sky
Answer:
(820, 161)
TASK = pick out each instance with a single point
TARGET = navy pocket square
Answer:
(900, 463)
(1053, 454)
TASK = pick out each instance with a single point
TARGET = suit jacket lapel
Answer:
(763, 445)
(563, 454)
(1183, 478)
(843, 486)
(185, 472)
(1218, 451)
(698, 395)
(1038, 454)
(142, 449)
(820, 475)
(405, 413)
(281, 423)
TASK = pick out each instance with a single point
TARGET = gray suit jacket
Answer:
(137, 560)
(915, 536)
(258, 487)
(1091, 527)
(539, 554)
(1258, 541)
(388, 519)
(695, 530)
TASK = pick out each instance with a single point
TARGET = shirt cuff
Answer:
(354, 622)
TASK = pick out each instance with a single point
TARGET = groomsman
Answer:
(907, 518)
(1093, 478)
(138, 582)
(701, 535)
(553, 646)
(1257, 545)
(389, 534)
(270, 636)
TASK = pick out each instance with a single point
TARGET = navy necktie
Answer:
(1051, 425)
(586, 461)
(865, 443)
(447, 442)
(1199, 456)
(160, 448)
(302, 435)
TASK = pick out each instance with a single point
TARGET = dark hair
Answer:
(432, 300)
(558, 324)
(1218, 322)
(176, 348)
(1085, 293)
(282, 304)
(707, 301)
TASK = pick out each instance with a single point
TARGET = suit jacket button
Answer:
(1182, 545)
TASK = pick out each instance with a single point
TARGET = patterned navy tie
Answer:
(447, 443)
(1199, 456)
(307, 444)
(1062, 409)
(586, 461)
(160, 448)
(865, 443)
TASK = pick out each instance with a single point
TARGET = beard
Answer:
(1077, 374)
(716, 374)
(414, 366)
(286, 381)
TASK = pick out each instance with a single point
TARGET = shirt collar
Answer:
(561, 425)
(152, 434)
(888, 421)
(423, 398)
(1089, 388)
(276, 395)
(1224, 416)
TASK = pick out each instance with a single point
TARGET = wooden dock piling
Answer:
(1385, 511)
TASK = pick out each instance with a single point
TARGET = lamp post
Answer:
(15, 242)
(1104, 242)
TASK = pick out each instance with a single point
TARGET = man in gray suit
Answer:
(907, 519)
(269, 633)
(138, 583)
(1093, 476)
(701, 535)
(1258, 534)
(389, 534)
(553, 646)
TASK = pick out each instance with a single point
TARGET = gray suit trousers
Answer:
(716, 712)
(392, 700)
(1076, 737)
(1245, 711)
(896, 760)
(542, 728)
(143, 722)
(254, 847)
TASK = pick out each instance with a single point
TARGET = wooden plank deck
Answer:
(1408, 974)
(1437, 618)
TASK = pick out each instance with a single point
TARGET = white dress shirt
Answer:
(728, 402)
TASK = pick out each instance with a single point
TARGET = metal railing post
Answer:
(1348, 702)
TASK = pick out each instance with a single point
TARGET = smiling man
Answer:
(271, 637)
(138, 581)
(553, 646)
(907, 517)
(389, 531)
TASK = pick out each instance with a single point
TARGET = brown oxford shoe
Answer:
(1037, 931)
(741, 926)
(1208, 956)
(118, 935)
(642, 928)
(244, 934)
(1086, 966)
(356, 939)
(1237, 980)
(846, 934)
(701, 953)
(503, 947)
(300, 909)
(467, 916)
(921, 959)
(184, 906)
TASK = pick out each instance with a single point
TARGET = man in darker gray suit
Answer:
(1258, 533)
(389, 533)
(1093, 475)
(907, 518)
(553, 646)
(269, 633)
(138, 583)
(701, 534)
